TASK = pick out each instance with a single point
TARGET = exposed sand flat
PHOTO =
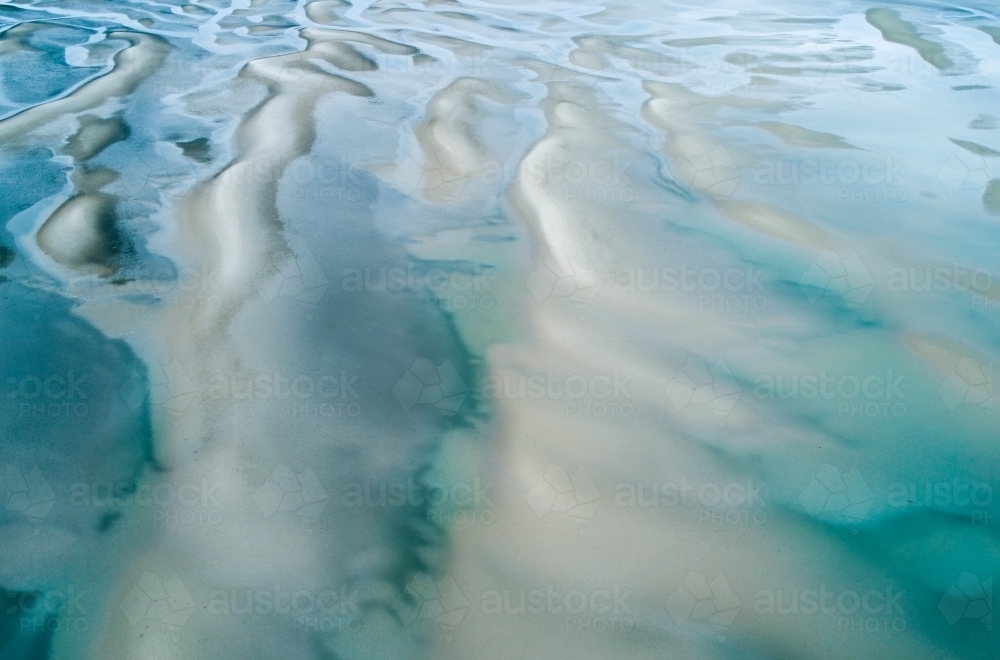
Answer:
(537, 192)
(991, 197)
(993, 31)
(95, 135)
(91, 179)
(974, 148)
(131, 67)
(234, 231)
(453, 153)
(197, 149)
(898, 31)
(595, 53)
(568, 556)
(611, 546)
(344, 56)
(243, 229)
(81, 233)
(708, 41)
(711, 169)
(775, 222)
(798, 136)
(13, 39)
(984, 122)
(385, 45)
(326, 11)
(945, 354)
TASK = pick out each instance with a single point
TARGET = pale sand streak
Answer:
(230, 227)
(622, 546)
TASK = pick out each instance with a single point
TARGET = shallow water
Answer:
(498, 329)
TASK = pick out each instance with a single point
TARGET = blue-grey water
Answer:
(496, 329)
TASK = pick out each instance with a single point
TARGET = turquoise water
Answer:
(498, 329)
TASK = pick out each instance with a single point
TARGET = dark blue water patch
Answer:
(25, 630)
(24, 182)
(41, 73)
(27, 177)
(65, 417)
(57, 36)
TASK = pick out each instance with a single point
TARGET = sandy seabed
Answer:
(498, 329)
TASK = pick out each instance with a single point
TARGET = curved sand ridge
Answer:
(232, 228)
(235, 211)
(82, 234)
(653, 550)
(131, 66)
(453, 152)
(562, 239)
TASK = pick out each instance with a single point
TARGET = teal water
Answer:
(498, 329)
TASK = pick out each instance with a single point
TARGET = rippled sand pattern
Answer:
(488, 329)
